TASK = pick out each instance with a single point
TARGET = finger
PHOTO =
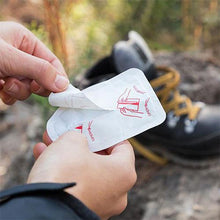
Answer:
(46, 138)
(73, 141)
(33, 68)
(122, 150)
(7, 99)
(118, 147)
(26, 41)
(43, 52)
(122, 156)
(38, 149)
(39, 90)
(121, 204)
(17, 89)
(32, 45)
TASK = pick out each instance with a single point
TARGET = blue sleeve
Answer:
(43, 201)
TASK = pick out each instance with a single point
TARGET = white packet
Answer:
(108, 112)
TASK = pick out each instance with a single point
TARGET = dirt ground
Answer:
(170, 192)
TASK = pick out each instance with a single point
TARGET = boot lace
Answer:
(171, 100)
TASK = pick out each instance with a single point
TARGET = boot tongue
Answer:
(134, 53)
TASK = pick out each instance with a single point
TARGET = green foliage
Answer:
(46, 108)
(39, 31)
(166, 24)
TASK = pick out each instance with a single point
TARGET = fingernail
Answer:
(13, 88)
(61, 82)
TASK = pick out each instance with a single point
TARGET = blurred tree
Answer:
(55, 29)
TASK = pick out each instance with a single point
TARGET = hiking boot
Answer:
(190, 135)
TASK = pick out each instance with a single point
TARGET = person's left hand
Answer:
(27, 65)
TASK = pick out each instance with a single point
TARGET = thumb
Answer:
(18, 63)
(38, 149)
(73, 142)
(122, 151)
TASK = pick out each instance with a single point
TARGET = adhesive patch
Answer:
(108, 112)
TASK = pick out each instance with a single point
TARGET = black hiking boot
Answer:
(191, 133)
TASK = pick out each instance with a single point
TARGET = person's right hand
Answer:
(102, 180)
(27, 65)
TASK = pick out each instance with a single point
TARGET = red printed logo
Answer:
(132, 106)
(79, 128)
(129, 106)
(90, 132)
(138, 90)
(146, 106)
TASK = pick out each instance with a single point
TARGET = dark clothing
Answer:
(42, 201)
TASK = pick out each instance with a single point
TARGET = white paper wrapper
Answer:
(108, 112)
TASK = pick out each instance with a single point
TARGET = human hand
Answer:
(102, 180)
(27, 65)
